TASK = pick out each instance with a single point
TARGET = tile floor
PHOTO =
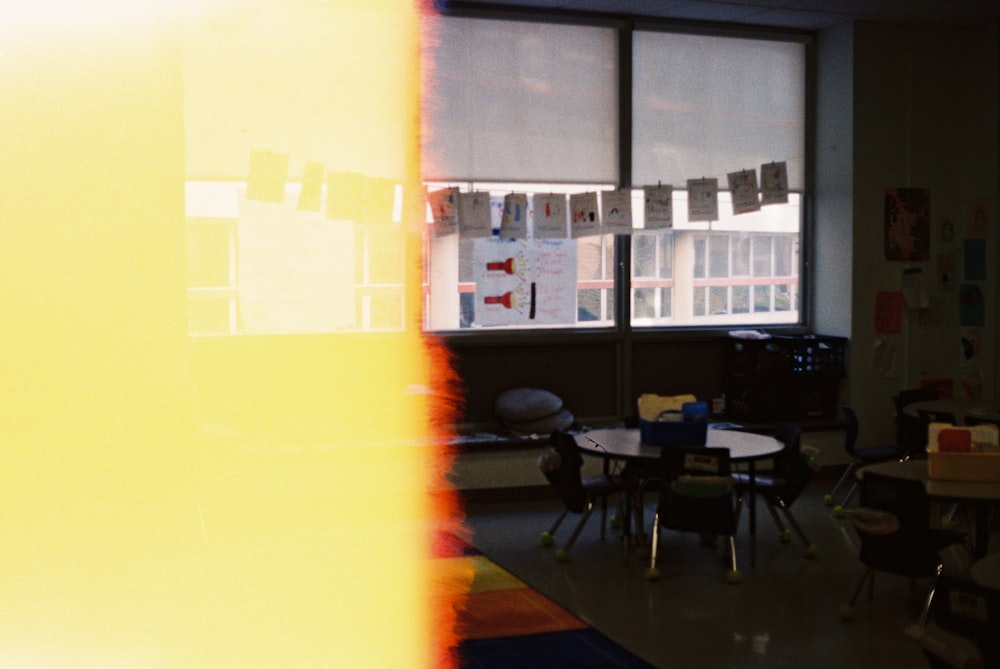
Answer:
(784, 614)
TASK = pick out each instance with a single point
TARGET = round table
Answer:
(959, 408)
(625, 444)
(982, 494)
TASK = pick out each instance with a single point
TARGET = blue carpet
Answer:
(574, 649)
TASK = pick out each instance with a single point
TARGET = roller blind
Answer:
(704, 106)
(520, 101)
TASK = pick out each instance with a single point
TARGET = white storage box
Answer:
(980, 463)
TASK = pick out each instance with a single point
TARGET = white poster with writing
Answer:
(525, 282)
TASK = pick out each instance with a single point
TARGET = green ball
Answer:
(547, 539)
(828, 500)
(734, 576)
(785, 536)
(838, 511)
(811, 552)
(562, 555)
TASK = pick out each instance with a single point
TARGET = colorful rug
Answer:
(502, 623)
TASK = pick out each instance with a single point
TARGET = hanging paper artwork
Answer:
(524, 282)
(344, 194)
(267, 176)
(659, 207)
(907, 224)
(514, 220)
(703, 199)
(616, 212)
(774, 183)
(444, 210)
(743, 190)
(311, 195)
(549, 216)
(585, 219)
(474, 219)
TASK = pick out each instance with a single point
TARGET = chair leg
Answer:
(922, 621)
(579, 526)
(651, 572)
(867, 577)
(850, 494)
(558, 522)
(844, 477)
(795, 525)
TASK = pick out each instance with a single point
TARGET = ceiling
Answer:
(798, 14)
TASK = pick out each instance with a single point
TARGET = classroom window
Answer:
(532, 107)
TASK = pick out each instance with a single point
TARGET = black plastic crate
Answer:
(813, 355)
(755, 397)
(768, 397)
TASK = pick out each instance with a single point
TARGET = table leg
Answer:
(982, 539)
(752, 510)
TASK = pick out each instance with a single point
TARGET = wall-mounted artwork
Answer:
(907, 224)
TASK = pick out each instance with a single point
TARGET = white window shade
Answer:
(704, 106)
(521, 101)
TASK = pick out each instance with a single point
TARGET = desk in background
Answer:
(744, 447)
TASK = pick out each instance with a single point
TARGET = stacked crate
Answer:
(784, 377)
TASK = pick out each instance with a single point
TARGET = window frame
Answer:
(624, 283)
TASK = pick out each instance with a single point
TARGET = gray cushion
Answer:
(520, 404)
(561, 420)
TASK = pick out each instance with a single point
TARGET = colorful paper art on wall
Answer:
(659, 207)
(774, 183)
(267, 176)
(703, 199)
(971, 305)
(514, 220)
(888, 312)
(585, 217)
(743, 189)
(520, 281)
(943, 386)
(444, 210)
(907, 224)
(474, 215)
(311, 195)
(616, 212)
(549, 216)
(974, 259)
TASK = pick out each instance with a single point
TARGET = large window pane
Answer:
(708, 105)
(521, 101)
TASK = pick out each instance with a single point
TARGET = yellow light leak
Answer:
(200, 503)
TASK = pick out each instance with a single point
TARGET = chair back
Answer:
(911, 431)
(910, 550)
(790, 468)
(850, 429)
(564, 476)
(688, 504)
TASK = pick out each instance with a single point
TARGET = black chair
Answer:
(860, 455)
(969, 616)
(911, 431)
(782, 485)
(561, 466)
(697, 495)
(893, 524)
